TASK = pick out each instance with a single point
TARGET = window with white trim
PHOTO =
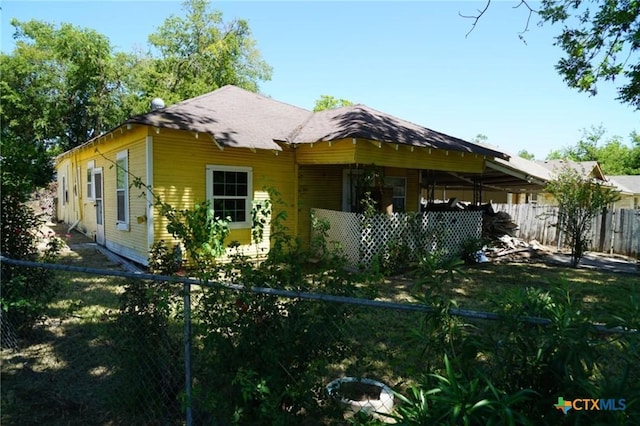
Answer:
(90, 185)
(122, 190)
(399, 185)
(229, 190)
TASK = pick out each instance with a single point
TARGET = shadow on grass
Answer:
(71, 372)
(61, 376)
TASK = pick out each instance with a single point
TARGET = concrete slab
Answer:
(598, 261)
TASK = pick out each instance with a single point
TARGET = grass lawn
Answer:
(393, 335)
(61, 373)
(480, 285)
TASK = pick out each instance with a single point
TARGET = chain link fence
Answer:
(143, 349)
(256, 355)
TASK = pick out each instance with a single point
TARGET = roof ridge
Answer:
(422, 127)
(225, 88)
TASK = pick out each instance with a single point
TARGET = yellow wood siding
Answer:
(103, 153)
(135, 238)
(420, 158)
(336, 152)
(318, 187)
(321, 186)
(627, 201)
(413, 190)
(65, 211)
(383, 154)
(180, 160)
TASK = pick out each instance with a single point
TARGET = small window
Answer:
(399, 185)
(122, 190)
(90, 184)
(65, 191)
(229, 191)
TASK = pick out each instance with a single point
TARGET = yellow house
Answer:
(229, 146)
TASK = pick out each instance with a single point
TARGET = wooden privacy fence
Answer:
(615, 231)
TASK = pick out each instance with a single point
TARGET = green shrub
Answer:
(260, 358)
(460, 397)
(512, 371)
(26, 291)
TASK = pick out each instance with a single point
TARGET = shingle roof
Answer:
(239, 118)
(626, 183)
(233, 116)
(585, 168)
(361, 121)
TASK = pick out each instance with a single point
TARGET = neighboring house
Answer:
(587, 169)
(629, 187)
(229, 146)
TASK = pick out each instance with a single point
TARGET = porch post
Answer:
(477, 189)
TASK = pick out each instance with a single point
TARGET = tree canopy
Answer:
(325, 102)
(198, 53)
(63, 85)
(60, 85)
(614, 156)
(600, 40)
(523, 153)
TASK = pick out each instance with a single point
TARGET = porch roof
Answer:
(516, 174)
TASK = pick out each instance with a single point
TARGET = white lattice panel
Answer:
(344, 231)
(363, 238)
(448, 230)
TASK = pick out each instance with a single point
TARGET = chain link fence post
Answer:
(187, 354)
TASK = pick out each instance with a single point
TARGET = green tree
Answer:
(579, 201)
(329, 102)
(198, 53)
(634, 156)
(600, 40)
(480, 138)
(526, 154)
(614, 156)
(60, 86)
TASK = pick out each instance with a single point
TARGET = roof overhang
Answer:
(519, 176)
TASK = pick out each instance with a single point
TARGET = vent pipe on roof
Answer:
(156, 103)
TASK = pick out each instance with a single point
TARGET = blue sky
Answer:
(409, 59)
